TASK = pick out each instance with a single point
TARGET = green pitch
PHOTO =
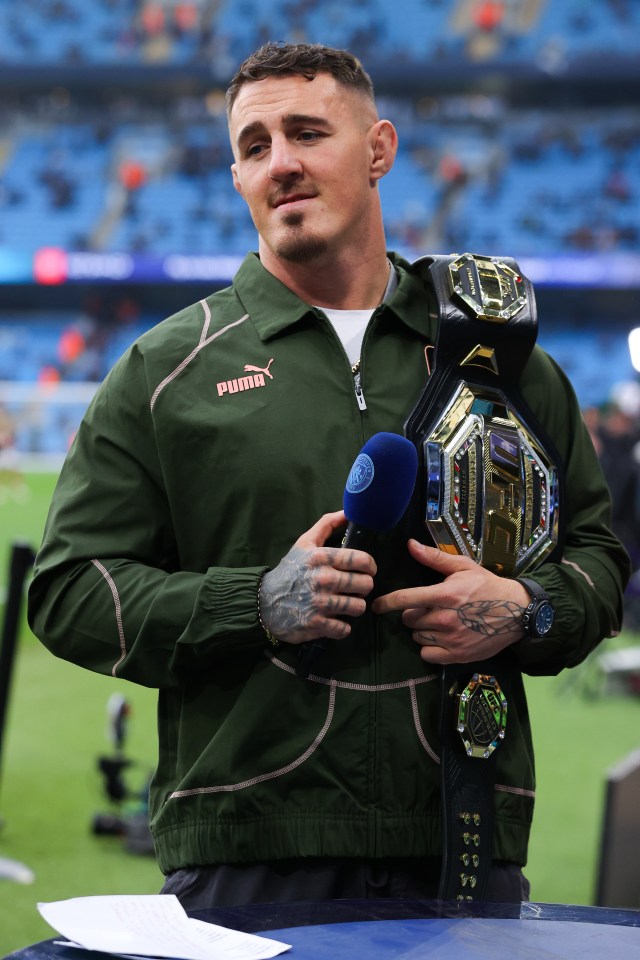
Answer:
(50, 788)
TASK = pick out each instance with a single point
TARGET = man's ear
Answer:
(384, 145)
(236, 179)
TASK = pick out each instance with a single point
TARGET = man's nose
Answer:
(283, 160)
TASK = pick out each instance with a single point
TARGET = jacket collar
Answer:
(272, 307)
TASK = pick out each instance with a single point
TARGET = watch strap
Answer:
(535, 591)
(540, 600)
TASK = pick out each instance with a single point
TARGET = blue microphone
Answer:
(377, 493)
(378, 488)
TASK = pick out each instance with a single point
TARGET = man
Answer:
(193, 542)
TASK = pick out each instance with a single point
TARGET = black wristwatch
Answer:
(537, 619)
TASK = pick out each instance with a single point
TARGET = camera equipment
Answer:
(129, 818)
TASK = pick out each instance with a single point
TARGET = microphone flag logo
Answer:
(361, 474)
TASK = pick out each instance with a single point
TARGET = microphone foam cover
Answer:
(381, 481)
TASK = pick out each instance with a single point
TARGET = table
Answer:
(413, 930)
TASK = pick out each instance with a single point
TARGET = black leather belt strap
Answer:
(460, 329)
(467, 784)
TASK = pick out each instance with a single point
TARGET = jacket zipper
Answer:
(357, 383)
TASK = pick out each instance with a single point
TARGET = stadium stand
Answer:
(187, 31)
(534, 185)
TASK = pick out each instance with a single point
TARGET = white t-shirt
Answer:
(350, 325)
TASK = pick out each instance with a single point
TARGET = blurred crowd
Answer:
(473, 172)
(615, 430)
(144, 171)
(219, 32)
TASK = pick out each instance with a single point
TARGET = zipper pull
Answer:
(357, 382)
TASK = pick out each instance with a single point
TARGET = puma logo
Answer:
(249, 368)
(254, 379)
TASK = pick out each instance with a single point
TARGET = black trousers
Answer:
(310, 878)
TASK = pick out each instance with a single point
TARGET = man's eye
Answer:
(255, 149)
(309, 135)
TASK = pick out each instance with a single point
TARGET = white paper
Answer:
(151, 926)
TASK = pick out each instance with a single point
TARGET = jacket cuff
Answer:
(226, 615)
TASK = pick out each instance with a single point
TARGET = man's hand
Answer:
(313, 586)
(472, 615)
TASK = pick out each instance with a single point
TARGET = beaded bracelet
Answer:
(270, 637)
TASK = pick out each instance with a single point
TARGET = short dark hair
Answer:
(303, 59)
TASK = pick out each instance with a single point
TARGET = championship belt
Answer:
(489, 488)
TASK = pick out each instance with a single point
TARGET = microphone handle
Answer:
(356, 537)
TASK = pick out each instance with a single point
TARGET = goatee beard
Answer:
(296, 246)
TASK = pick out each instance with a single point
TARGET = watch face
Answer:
(543, 619)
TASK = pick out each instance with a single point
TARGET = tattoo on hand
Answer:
(288, 593)
(491, 618)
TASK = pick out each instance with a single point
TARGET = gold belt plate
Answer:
(491, 488)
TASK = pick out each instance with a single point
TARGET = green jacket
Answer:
(217, 439)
